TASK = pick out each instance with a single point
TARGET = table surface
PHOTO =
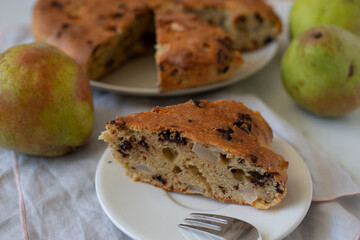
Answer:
(338, 137)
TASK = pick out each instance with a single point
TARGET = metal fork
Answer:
(227, 228)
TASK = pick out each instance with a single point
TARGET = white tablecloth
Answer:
(59, 194)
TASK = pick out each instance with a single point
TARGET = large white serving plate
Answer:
(139, 77)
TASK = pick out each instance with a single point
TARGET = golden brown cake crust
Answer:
(228, 125)
(80, 27)
(192, 52)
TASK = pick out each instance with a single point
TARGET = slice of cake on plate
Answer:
(191, 52)
(218, 149)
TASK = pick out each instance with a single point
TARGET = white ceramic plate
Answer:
(149, 213)
(139, 77)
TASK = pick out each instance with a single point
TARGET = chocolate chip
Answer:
(242, 19)
(259, 18)
(56, 4)
(109, 63)
(126, 145)
(278, 189)
(190, 121)
(172, 136)
(241, 160)
(246, 127)
(243, 116)
(224, 69)
(225, 133)
(223, 189)
(174, 72)
(236, 187)
(258, 178)
(65, 25)
(226, 42)
(254, 158)
(117, 15)
(244, 122)
(222, 56)
(122, 153)
(198, 103)
(144, 144)
(95, 49)
(268, 39)
(159, 178)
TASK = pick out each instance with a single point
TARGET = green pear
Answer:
(321, 70)
(308, 13)
(46, 105)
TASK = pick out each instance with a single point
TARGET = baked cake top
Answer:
(79, 27)
(228, 125)
(186, 41)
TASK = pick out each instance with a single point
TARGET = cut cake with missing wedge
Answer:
(218, 149)
(191, 52)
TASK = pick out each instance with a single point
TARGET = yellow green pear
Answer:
(321, 70)
(46, 105)
(308, 13)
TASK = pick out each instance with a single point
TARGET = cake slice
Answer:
(190, 52)
(250, 23)
(218, 149)
(99, 35)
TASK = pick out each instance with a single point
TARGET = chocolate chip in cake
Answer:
(254, 158)
(258, 178)
(222, 57)
(126, 145)
(226, 42)
(223, 69)
(117, 15)
(243, 19)
(268, 39)
(241, 160)
(174, 72)
(278, 189)
(109, 63)
(172, 136)
(225, 133)
(144, 144)
(65, 25)
(56, 4)
(190, 121)
(223, 189)
(159, 178)
(236, 187)
(198, 103)
(259, 18)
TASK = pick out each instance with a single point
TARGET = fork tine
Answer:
(207, 223)
(220, 218)
(200, 229)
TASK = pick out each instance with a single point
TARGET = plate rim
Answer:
(272, 47)
(281, 236)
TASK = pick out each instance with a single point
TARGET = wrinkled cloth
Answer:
(59, 193)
